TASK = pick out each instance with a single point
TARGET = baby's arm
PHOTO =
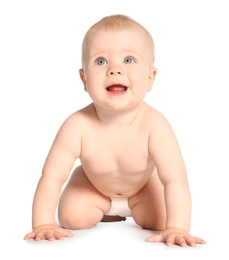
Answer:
(171, 169)
(60, 160)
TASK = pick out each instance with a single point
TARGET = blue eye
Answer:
(101, 61)
(129, 60)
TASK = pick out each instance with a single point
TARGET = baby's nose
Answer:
(114, 71)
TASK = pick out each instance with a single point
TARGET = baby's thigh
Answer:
(148, 205)
(81, 204)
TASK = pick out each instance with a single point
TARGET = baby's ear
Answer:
(152, 75)
(83, 79)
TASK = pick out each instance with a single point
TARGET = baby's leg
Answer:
(81, 204)
(148, 205)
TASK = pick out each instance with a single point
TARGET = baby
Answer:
(131, 163)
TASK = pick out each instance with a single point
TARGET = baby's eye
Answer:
(101, 61)
(129, 60)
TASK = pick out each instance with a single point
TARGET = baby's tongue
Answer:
(116, 88)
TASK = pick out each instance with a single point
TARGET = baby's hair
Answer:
(118, 22)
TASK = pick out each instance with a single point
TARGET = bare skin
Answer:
(126, 148)
(144, 189)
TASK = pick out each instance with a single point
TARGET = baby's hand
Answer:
(48, 232)
(174, 236)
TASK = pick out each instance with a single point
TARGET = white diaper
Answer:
(119, 207)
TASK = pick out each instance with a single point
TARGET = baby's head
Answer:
(118, 23)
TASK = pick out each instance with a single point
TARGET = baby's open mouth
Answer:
(116, 88)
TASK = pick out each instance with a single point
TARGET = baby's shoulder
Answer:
(156, 122)
(153, 116)
(80, 117)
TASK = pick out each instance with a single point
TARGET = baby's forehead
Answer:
(109, 26)
(117, 28)
(116, 33)
(133, 31)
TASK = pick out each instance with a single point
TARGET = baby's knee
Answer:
(79, 220)
(75, 223)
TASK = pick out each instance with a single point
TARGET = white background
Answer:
(40, 55)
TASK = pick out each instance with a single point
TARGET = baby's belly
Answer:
(120, 184)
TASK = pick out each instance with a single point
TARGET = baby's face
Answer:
(118, 69)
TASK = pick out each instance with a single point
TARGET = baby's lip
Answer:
(116, 88)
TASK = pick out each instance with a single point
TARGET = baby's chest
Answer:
(116, 153)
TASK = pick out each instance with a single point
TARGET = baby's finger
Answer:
(30, 235)
(170, 240)
(179, 240)
(38, 236)
(199, 240)
(190, 241)
(49, 236)
(58, 236)
(155, 238)
(66, 233)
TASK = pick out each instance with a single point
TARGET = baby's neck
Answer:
(119, 119)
